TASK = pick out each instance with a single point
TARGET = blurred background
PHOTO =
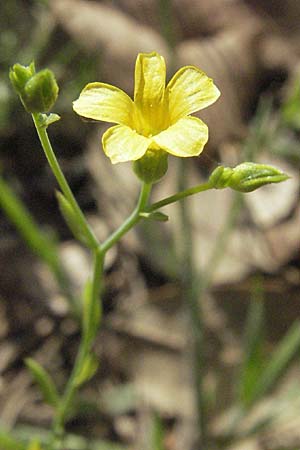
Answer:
(231, 261)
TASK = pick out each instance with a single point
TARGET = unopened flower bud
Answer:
(19, 75)
(152, 166)
(246, 177)
(38, 91)
(220, 176)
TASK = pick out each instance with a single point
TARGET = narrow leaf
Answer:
(157, 434)
(51, 118)
(282, 356)
(87, 371)
(290, 109)
(38, 241)
(44, 381)
(253, 346)
(72, 220)
(158, 216)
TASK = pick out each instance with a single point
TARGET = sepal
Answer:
(152, 166)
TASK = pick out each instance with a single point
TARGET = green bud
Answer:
(246, 177)
(19, 75)
(220, 177)
(38, 91)
(249, 176)
(152, 166)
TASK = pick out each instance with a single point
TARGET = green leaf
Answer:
(290, 109)
(157, 434)
(51, 118)
(72, 221)
(253, 347)
(44, 381)
(34, 445)
(38, 241)
(157, 216)
(8, 442)
(45, 120)
(281, 358)
(87, 370)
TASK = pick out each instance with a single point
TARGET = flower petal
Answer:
(190, 90)
(150, 80)
(186, 137)
(121, 143)
(101, 101)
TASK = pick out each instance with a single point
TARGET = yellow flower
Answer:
(159, 116)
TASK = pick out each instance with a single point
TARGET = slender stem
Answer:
(189, 281)
(58, 426)
(132, 220)
(87, 338)
(83, 351)
(50, 155)
(166, 16)
(97, 282)
(179, 196)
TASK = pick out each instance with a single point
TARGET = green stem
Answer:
(97, 282)
(132, 220)
(189, 281)
(179, 196)
(87, 341)
(83, 351)
(50, 155)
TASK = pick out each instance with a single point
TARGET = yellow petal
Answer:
(190, 90)
(186, 137)
(121, 143)
(150, 80)
(101, 101)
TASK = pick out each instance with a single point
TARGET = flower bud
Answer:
(220, 176)
(152, 166)
(19, 75)
(246, 177)
(38, 91)
(249, 176)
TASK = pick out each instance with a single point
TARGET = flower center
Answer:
(150, 119)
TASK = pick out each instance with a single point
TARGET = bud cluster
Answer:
(38, 90)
